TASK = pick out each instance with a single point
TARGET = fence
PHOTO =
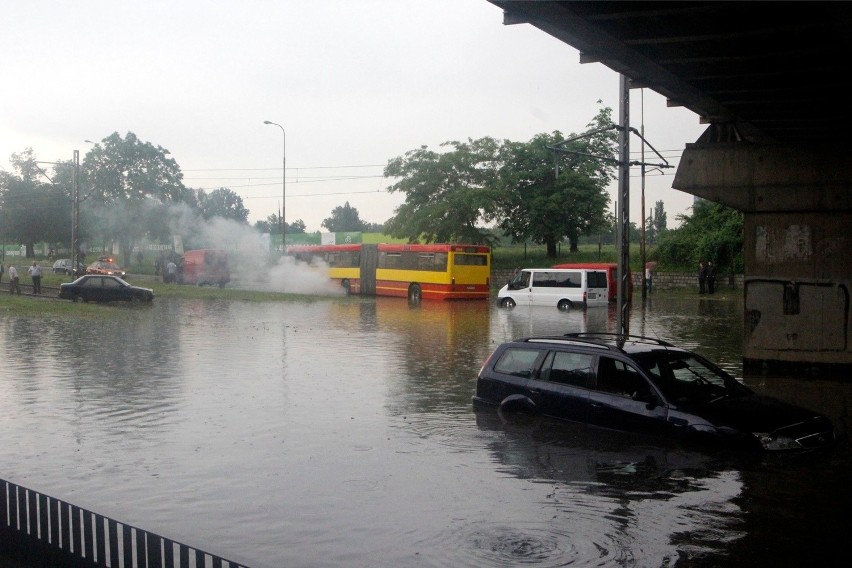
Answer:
(41, 531)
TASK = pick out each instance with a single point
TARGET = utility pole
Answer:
(75, 212)
(642, 250)
(623, 243)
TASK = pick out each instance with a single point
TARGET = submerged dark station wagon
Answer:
(644, 385)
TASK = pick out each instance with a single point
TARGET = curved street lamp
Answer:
(283, 180)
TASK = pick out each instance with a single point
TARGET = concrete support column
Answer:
(797, 244)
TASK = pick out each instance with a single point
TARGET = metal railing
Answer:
(39, 530)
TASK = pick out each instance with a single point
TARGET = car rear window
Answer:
(517, 361)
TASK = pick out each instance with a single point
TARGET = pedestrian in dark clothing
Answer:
(702, 277)
(711, 277)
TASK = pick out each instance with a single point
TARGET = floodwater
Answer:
(339, 432)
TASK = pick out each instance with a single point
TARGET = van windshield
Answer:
(521, 280)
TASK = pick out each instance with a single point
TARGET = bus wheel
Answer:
(346, 288)
(564, 305)
(508, 303)
(414, 293)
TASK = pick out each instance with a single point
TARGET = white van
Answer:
(562, 288)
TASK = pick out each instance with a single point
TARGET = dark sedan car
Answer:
(103, 288)
(643, 385)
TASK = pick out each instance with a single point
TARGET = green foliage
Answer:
(223, 203)
(655, 224)
(713, 232)
(272, 225)
(540, 206)
(450, 195)
(128, 181)
(32, 207)
(447, 194)
(344, 219)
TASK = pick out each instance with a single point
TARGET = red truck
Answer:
(205, 267)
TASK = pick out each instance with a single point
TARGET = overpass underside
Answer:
(798, 244)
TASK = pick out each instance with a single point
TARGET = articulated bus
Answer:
(430, 272)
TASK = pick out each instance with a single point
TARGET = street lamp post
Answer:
(283, 181)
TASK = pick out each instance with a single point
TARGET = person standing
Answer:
(702, 277)
(35, 272)
(171, 272)
(711, 277)
(14, 285)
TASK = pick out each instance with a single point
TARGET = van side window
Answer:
(619, 378)
(567, 368)
(557, 280)
(518, 362)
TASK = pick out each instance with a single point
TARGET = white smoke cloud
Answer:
(253, 266)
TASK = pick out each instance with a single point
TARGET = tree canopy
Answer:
(32, 207)
(223, 203)
(344, 218)
(713, 232)
(451, 196)
(448, 195)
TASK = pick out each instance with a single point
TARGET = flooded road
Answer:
(340, 433)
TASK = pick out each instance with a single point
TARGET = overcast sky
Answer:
(353, 83)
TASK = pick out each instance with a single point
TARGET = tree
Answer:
(129, 179)
(539, 206)
(272, 225)
(296, 227)
(446, 194)
(343, 219)
(32, 207)
(223, 203)
(655, 224)
(713, 232)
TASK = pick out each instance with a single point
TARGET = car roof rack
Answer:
(617, 337)
(570, 341)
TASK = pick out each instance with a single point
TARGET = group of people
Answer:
(14, 280)
(706, 277)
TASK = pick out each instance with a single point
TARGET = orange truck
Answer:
(205, 267)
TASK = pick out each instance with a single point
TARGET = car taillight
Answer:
(485, 364)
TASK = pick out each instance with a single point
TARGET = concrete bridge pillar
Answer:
(797, 204)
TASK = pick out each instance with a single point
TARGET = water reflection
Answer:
(617, 499)
(340, 432)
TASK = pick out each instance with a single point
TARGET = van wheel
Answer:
(508, 303)
(564, 305)
(415, 294)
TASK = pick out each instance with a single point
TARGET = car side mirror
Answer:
(647, 397)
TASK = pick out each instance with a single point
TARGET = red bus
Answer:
(611, 276)
(430, 272)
